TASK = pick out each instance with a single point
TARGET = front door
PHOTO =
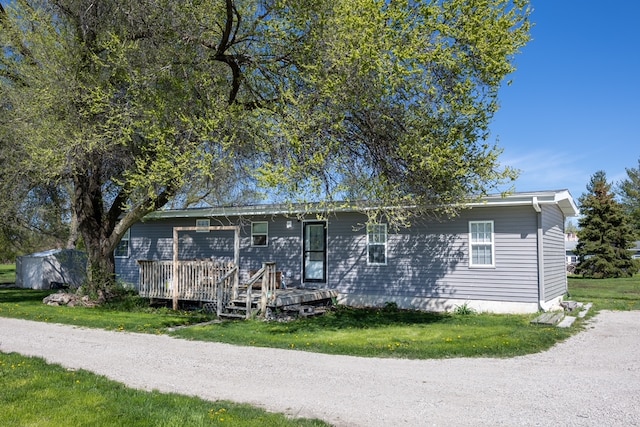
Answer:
(314, 254)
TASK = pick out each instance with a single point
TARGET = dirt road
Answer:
(592, 379)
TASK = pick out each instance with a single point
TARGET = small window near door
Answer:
(377, 244)
(481, 244)
(122, 250)
(259, 233)
(202, 225)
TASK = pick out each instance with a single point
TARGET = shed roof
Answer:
(561, 198)
(44, 254)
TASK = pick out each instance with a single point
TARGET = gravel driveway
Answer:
(592, 379)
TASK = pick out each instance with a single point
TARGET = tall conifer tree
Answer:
(605, 234)
(630, 193)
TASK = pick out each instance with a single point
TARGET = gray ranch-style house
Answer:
(502, 254)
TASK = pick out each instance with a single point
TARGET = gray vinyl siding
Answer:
(555, 273)
(428, 260)
(153, 240)
(283, 248)
(431, 259)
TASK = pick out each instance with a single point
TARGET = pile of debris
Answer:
(560, 318)
(72, 300)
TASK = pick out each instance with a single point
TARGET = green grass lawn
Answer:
(357, 332)
(33, 393)
(390, 333)
(607, 294)
(130, 316)
(7, 273)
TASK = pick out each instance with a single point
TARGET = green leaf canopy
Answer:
(131, 105)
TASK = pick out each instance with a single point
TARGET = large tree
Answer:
(134, 104)
(629, 191)
(605, 235)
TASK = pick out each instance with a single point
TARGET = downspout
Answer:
(539, 236)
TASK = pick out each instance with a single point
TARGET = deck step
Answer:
(550, 318)
(232, 316)
(236, 308)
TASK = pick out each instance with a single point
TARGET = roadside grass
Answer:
(390, 333)
(39, 394)
(7, 273)
(380, 332)
(384, 332)
(132, 314)
(607, 294)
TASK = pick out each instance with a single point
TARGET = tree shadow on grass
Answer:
(15, 295)
(343, 317)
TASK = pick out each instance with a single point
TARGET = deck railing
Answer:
(199, 280)
(267, 276)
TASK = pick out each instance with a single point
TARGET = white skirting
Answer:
(447, 304)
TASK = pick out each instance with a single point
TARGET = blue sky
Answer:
(573, 107)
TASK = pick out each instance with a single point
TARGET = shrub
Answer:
(464, 310)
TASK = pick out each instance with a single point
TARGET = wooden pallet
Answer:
(550, 318)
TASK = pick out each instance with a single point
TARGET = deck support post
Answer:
(219, 299)
(268, 285)
(174, 273)
(236, 261)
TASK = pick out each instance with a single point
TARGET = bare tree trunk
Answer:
(72, 241)
(100, 272)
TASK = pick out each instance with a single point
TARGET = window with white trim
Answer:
(259, 233)
(481, 244)
(122, 250)
(202, 225)
(377, 244)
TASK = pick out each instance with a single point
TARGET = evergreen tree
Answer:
(629, 191)
(605, 234)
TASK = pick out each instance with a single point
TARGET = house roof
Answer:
(561, 198)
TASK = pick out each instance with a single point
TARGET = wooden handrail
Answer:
(268, 275)
(268, 286)
(250, 284)
(219, 289)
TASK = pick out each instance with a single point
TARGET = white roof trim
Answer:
(561, 198)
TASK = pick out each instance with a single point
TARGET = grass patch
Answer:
(390, 333)
(38, 394)
(7, 274)
(131, 314)
(607, 294)
(385, 332)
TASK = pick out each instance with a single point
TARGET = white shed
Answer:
(52, 268)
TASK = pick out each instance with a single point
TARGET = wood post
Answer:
(174, 274)
(268, 285)
(236, 261)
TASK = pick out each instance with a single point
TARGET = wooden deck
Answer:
(215, 286)
(301, 296)
(280, 303)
